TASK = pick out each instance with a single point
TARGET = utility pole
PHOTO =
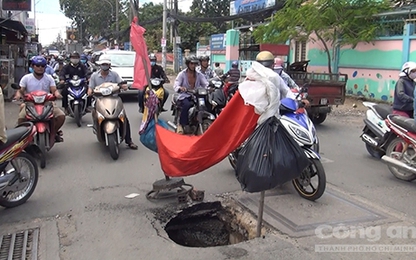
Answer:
(171, 23)
(117, 25)
(163, 42)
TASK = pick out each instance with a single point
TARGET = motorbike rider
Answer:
(278, 68)
(75, 67)
(218, 71)
(156, 72)
(234, 74)
(204, 67)
(188, 78)
(60, 64)
(39, 80)
(403, 100)
(266, 58)
(105, 74)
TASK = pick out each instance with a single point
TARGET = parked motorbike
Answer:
(200, 118)
(39, 110)
(301, 128)
(77, 98)
(400, 153)
(18, 169)
(376, 133)
(109, 117)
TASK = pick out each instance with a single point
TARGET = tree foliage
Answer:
(94, 17)
(334, 23)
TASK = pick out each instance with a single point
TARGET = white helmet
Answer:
(104, 59)
(407, 68)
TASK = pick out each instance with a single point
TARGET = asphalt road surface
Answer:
(81, 209)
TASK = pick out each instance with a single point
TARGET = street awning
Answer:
(12, 25)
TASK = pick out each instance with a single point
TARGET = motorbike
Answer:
(376, 133)
(18, 169)
(77, 98)
(296, 121)
(156, 85)
(229, 88)
(200, 117)
(109, 116)
(39, 110)
(400, 153)
(217, 99)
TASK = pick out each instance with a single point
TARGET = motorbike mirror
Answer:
(15, 86)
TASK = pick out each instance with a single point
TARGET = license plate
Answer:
(324, 101)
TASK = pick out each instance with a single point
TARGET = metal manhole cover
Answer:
(20, 245)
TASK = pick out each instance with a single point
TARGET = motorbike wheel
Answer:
(303, 184)
(319, 119)
(42, 146)
(391, 152)
(77, 115)
(205, 125)
(113, 146)
(16, 198)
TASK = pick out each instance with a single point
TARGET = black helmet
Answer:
(152, 57)
(75, 54)
(190, 59)
(204, 58)
(266, 58)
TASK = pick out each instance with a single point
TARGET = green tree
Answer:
(334, 23)
(93, 17)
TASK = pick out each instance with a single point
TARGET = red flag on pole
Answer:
(142, 62)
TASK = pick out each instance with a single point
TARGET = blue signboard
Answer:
(218, 44)
(247, 6)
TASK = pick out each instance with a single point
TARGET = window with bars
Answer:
(300, 51)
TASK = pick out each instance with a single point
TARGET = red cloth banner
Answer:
(182, 155)
(142, 59)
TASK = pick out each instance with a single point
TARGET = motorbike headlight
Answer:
(39, 99)
(105, 91)
(155, 82)
(75, 83)
(300, 134)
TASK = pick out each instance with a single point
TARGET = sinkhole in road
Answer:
(207, 225)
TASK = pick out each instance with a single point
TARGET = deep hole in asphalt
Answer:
(206, 225)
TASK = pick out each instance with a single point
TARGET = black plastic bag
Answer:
(269, 158)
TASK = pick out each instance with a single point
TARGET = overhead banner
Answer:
(218, 44)
(16, 5)
(247, 6)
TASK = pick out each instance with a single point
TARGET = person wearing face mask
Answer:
(105, 74)
(75, 67)
(403, 101)
(156, 72)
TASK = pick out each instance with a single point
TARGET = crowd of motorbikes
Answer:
(30, 141)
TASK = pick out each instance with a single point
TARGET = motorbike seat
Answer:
(383, 110)
(405, 122)
(15, 134)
